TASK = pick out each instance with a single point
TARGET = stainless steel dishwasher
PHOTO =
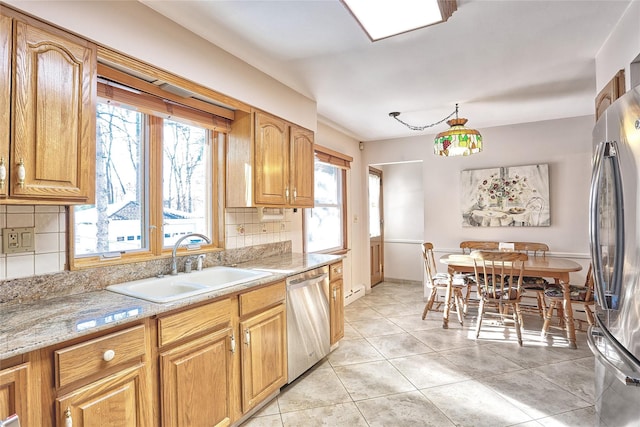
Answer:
(307, 320)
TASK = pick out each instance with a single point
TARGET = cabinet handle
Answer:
(3, 172)
(286, 192)
(233, 344)
(335, 294)
(295, 193)
(247, 336)
(108, 355)
(68, 421)
(22, 173)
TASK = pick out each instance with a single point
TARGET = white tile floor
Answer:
(394, 369)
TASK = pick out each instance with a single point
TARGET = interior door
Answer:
(376, 229)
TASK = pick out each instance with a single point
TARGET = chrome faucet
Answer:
(174, 264)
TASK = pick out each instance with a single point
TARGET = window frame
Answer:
(343, 163)
(154, 107)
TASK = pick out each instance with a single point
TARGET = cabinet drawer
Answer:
(98, 355)
(194, 321)
(335, 271)
(261, 298)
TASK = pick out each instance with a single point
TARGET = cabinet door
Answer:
(14, 393)
(5, 101)
(612, 91)
(264, 355)
(54, 115)
(118, 400)
(196, 382)
(301, 167)
(271, 161)
(336, 311)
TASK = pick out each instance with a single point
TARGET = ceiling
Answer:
(503, 61)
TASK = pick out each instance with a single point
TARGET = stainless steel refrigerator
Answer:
(614, 228)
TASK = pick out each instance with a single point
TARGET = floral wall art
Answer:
(513, 196)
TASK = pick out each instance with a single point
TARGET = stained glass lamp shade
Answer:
(458, 140)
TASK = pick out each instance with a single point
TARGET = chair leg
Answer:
(590, 319)
(517, 318)
(480, 314)
(430, 301)
(541, 304)
(547, 318)
(457, 298)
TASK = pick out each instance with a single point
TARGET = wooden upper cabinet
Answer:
(5, 100)
(301, 166)
(271, 160)
(52, 154)
(612, 91)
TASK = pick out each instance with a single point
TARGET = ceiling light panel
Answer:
(381, 19)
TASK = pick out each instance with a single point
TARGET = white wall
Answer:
(620, 49)
(403, 202)
(565, 145)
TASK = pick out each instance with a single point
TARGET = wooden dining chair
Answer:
(579, 295)
(499, 278)
(468, 246)
(452, 285)
(534, 284)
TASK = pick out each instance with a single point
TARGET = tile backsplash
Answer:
(50, 240)
(243, 227)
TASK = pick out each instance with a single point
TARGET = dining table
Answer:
(549, 267)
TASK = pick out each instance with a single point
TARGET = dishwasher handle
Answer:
(301, 283)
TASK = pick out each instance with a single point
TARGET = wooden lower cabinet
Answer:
(15, 392)
(336, 311)
(264, 355)
(336, 302)
(196, 380)
(119, 400)
(207, 365)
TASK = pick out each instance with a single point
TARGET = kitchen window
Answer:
(158, 177)
(325, 224)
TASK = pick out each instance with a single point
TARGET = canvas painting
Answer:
(513, 196)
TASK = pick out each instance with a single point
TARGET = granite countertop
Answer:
(30, 326)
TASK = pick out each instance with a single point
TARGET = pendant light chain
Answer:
(421, 128)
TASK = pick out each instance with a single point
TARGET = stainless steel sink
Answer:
(185, 285)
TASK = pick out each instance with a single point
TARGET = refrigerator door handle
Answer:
(620, 367)
(594, 230)
(607, 298)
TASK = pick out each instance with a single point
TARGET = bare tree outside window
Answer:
(186, 180)
(115, 222)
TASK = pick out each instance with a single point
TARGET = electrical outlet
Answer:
(18, 240)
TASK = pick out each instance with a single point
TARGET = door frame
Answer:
(376, 246)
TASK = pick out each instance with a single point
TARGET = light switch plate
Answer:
(18, 240)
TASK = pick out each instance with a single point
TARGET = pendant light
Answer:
(458, 140)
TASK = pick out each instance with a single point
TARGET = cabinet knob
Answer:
(68, 421)
(3, 172)
(108, 355)
(22, 173)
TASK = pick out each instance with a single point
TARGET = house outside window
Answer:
(157, 179)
